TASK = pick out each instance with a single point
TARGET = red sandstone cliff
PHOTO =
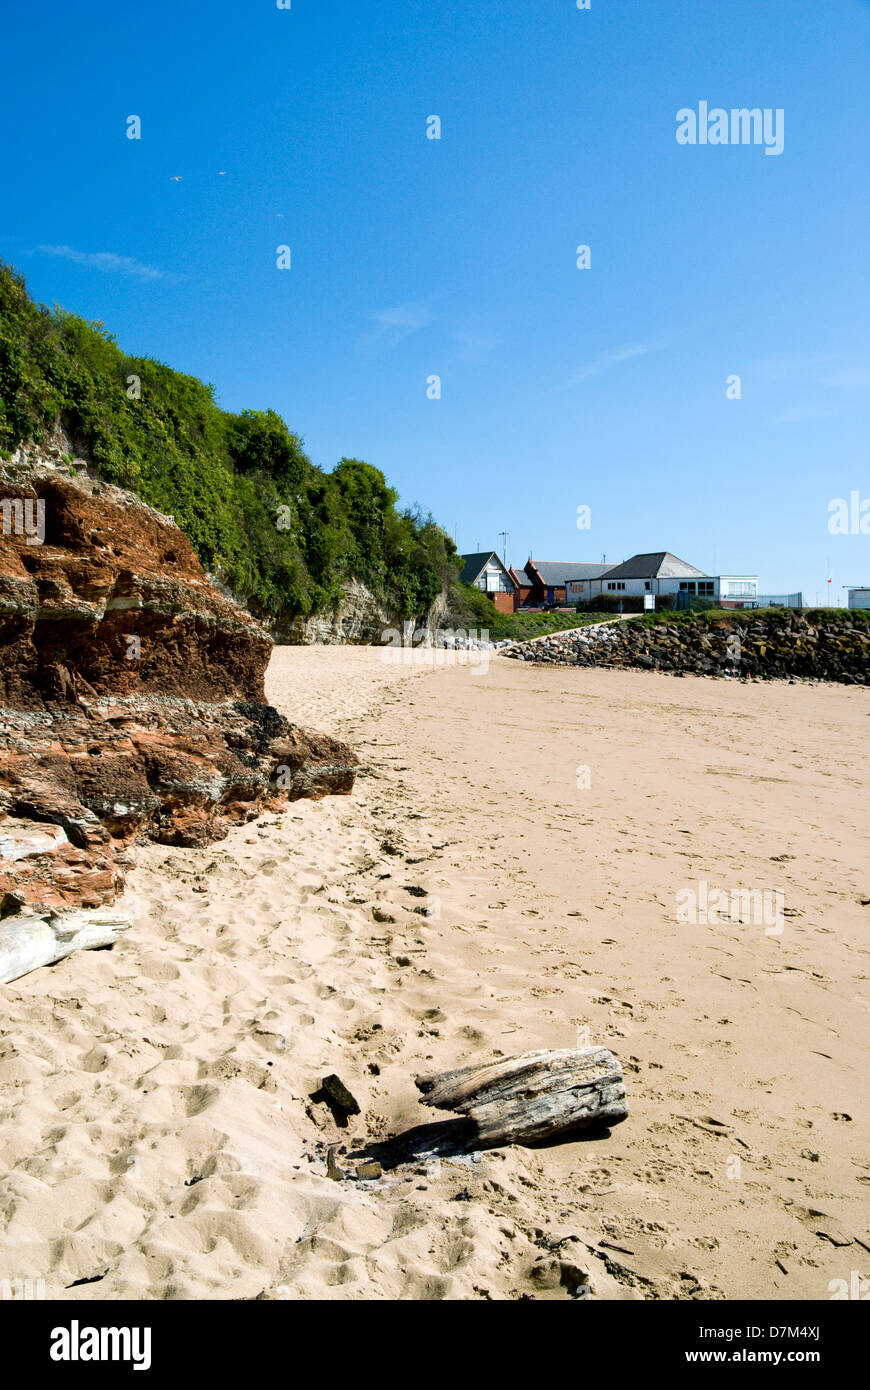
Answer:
(131, 694)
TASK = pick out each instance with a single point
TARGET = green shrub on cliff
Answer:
(279, 530)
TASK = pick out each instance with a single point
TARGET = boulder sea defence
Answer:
(784, 644)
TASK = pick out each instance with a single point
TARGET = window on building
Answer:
(493, 580)
(705, 586)
(615, 584)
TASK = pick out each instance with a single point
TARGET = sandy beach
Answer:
(505, 876)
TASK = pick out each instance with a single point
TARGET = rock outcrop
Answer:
(358, 619)
(131, 694)
(790, 645)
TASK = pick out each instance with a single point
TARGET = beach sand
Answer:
(157, 1135)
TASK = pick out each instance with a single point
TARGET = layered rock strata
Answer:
(131, 694)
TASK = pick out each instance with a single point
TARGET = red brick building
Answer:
(544, 583)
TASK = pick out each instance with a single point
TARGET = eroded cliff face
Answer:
(131, 693)
(112, 600)
(357, 619)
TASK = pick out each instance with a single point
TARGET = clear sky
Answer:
(411, 257)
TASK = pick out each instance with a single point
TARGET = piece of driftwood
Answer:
(28, 942)
(536, 1097)
(340, 1095)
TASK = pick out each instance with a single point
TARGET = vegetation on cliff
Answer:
(281, 532)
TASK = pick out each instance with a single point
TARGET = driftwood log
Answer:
(536, 1097)
(28, 942)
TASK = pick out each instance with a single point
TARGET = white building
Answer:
(486, 572)
(659, 573)
(859, 596)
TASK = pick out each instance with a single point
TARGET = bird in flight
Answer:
(175, 178)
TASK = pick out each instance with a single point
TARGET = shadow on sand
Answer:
(454, 1139)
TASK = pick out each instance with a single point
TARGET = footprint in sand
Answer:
(155, 969)
(198, 1098)
(95, 1060)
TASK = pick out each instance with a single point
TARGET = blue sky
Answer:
(414, 257)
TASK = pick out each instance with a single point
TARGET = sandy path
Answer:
(155, 1122)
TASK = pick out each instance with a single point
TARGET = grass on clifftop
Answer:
(522, 626)
(774, 616)
(281, 532)
(519, 627)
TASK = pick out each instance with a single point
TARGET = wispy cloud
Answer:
(472, 344)
(854, 378)
(808, 386)
(819, 369)
(467, 340)
(395, 324)
(782, 368)
(105, 260)
(802, 415)
(614, 358)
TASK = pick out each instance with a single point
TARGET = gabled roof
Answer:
(523, 578)
(657, 564)
(563, 571)
(474, 565)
